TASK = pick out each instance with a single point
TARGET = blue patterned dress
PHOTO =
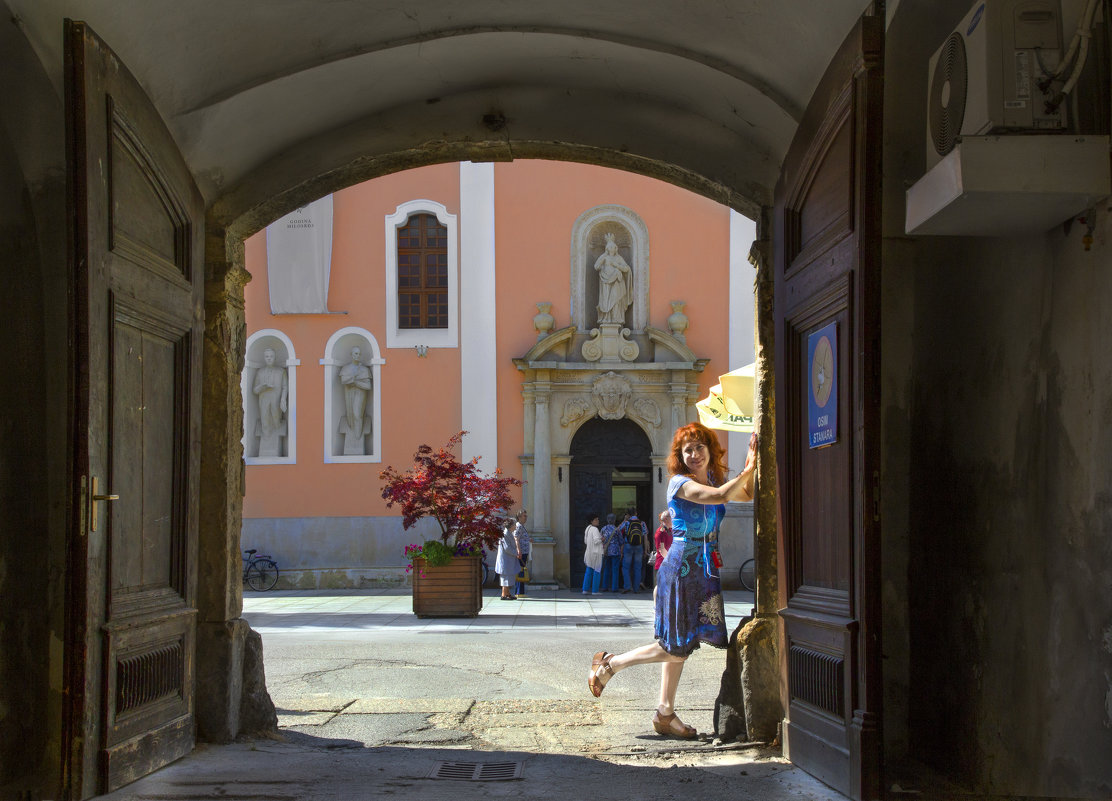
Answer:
(689, 608)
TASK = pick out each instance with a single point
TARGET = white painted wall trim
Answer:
(478, 315)
(256, 344)
(431, 337)
(337, 353)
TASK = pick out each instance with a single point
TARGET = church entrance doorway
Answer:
(611, 469)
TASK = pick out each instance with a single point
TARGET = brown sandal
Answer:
(600, 665)
(671, 726)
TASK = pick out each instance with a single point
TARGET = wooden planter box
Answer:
(453, 590)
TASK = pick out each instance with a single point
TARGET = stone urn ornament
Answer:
(543, 322)
(677, 320)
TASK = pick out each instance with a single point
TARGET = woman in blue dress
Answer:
(689, 609)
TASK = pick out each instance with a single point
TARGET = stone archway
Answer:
(232, 697)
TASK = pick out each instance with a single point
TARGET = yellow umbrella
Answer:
(731, 403)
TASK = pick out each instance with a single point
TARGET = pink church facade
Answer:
(466, 297)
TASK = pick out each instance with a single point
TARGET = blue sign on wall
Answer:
(822, 386)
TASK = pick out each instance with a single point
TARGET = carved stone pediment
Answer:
(553, 347)
(669, 348)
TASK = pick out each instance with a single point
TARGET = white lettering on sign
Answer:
(820, 437)
(824, 420)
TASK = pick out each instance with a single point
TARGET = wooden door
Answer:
(590, 494)
(827, 249)
(597, 448)
(136, 243)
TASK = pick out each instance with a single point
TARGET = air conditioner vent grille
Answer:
(947, 96)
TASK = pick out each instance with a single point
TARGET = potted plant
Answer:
(468, 506)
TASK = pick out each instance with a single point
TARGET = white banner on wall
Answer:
(299, 258)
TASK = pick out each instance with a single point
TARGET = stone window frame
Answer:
(428, 337)
(373, 359)
(250, 365)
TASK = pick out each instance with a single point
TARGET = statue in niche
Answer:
(272, 389)
(612, 393)
(615, 284)
(355, 425)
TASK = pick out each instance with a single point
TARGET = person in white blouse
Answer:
(592, 556)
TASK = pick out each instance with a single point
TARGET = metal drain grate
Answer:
(477, 771)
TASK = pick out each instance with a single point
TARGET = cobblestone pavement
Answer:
(373, 702)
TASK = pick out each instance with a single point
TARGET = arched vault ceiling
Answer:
(289, 89)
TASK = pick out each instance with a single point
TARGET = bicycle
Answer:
(747, 574)
(259, 572)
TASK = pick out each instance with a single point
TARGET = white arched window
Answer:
(269, 381)
(346, 438)
(422, 267)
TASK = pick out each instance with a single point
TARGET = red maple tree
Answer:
(468, 505)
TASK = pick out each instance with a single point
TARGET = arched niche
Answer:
(342, 440)
(588, 242)
(275, 447)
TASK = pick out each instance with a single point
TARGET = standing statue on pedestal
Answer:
(615, 284)
(356, 380)
(272, 389)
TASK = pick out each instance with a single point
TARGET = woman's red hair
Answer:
(716, 467)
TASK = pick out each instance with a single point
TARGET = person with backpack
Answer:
(612, 560)
(634, 533)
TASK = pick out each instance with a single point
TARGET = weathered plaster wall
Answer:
(1010, 514)
(32, 423)
(998, 508)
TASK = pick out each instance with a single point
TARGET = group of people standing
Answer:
(615, 557)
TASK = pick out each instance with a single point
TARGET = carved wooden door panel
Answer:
(590, 493)
(827, 259)
(137, 227)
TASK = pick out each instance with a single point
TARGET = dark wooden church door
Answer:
(597, 449)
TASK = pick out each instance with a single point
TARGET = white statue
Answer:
(355, 425)
(615, 284)
(272, 388)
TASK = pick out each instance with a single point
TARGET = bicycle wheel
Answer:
(262, 574)
(486, 574)
(747, 574)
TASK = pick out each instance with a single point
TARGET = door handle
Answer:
(93, 504)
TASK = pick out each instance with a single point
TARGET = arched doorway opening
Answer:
(611, 470)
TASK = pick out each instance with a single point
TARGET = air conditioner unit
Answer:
(991, 75)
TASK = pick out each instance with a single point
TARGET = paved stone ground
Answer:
(372, 702)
